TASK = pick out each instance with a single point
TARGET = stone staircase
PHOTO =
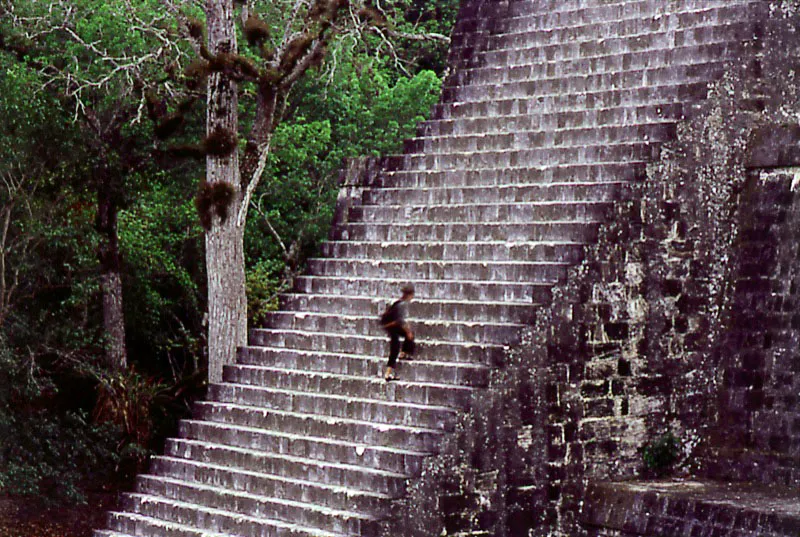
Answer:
(551, 107)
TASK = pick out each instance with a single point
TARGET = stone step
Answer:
(440, 270)
(479, 32)
(366, 345)
(523, 8)
(655, 62)
(124, 524)
(666, 508)
(265, 484)
(658, 57)
(633, 35)
(452, 310)
(473, 250)
(221, 520)
(550, 138)
(525, 33)
(109, 533)
(417, 370)
(370, 387)
(533, 16)
(638, 151)
(328, 472)
(425, 329)
(418, 438)
(532, 292)
(679, 92)
(533, 121)
(579, 84)
(474, 20)
(456, 188)
(352, 452)
(529, 11)
(543, 230)
(511, 271)
(334, 405)
(564, 102)
(163, 531)
(159, 494)
(571, 182)
(592, 211)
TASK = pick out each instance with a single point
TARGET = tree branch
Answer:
(260, 210)
(128, 67)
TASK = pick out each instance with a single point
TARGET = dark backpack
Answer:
(390, 315)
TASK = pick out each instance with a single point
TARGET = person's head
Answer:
(408, 292)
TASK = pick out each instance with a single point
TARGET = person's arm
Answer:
(407, 330)
(403, 319)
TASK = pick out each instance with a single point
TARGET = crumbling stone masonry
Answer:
(601, 222)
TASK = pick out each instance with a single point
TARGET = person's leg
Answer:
(394, 351)
(394, 348)
(408, 348)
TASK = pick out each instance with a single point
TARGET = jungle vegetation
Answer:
(101, 102)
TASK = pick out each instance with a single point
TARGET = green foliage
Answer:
(48, 248)
(30, 126)
(161, 244)
(126, 402)
(359, 112)
(53, 331)
(67, 423)
(660, 455)
(371, 110)
(51, 456)
(417, 17)
(296, 193)
(99, 30)
(264, 283)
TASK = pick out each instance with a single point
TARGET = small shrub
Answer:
(660, 455)
(52, 458)
(264, 284)
(125, 401)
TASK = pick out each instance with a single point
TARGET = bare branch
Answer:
(15, 241)
(176, 10)
(252, 183)
(126, 68)
(5, 297)
(428, 36)
(288, 33)
(392, 51)
(260, 210)
(304, 63)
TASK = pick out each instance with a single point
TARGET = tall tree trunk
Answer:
(227, 303)
(110, 276)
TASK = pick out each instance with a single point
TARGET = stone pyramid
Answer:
(551, 106)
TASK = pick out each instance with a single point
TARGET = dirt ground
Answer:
(19, 517)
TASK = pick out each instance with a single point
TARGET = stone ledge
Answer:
(690, 508)
(774, 147)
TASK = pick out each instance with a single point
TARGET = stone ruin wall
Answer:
(683, 319)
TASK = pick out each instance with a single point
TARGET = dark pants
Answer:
(394, 345)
